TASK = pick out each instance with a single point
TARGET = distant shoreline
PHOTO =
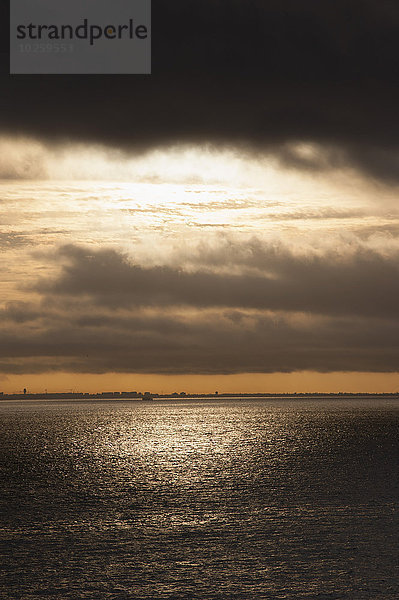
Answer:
(183, 396)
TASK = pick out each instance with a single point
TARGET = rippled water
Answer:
(200, 499)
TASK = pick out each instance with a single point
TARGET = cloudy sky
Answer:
(229, 222)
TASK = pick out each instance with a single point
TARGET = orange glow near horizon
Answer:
(304, 381)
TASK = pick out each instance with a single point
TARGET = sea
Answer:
(233, 498)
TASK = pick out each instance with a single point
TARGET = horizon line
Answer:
(183, 395)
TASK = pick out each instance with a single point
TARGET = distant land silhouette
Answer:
(183, 395)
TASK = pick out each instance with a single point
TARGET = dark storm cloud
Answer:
(259, 73)
(74, 335)
(359, 281)
(204, 343)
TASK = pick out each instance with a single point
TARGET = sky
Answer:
(227, 223)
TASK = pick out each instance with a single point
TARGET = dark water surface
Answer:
(203, 499)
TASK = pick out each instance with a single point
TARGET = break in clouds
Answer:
(29, 158)
(282, 311)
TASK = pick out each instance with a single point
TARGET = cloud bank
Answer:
(101, 313)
